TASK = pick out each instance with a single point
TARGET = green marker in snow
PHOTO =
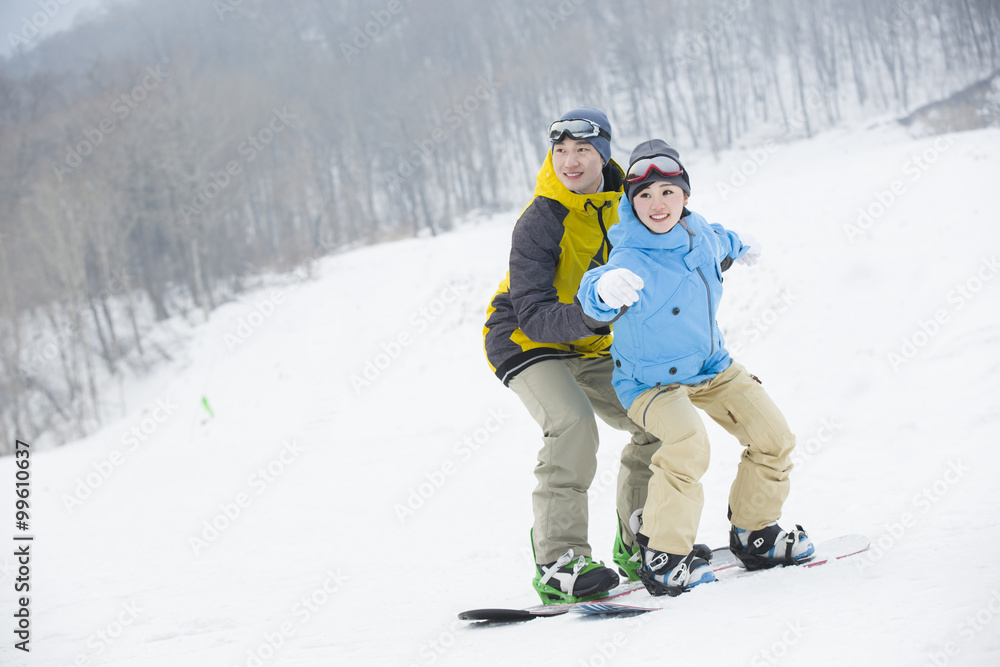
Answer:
(208, 409)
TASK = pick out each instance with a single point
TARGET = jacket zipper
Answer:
(708, 292)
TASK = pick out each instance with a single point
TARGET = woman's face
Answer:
(659, 206)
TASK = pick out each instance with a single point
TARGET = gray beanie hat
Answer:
(648, 149)
(601, 143)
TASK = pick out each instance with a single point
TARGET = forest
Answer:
(168, 155)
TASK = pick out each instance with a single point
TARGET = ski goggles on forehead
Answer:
(577, 128)
(665, 165)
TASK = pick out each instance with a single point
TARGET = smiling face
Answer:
(578, 165)
(659, 206)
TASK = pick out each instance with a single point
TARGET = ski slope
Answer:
(365, 477)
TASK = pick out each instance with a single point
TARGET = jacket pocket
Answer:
(676, 370)
(659, 330)
(625, 366)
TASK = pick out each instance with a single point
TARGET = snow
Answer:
(366, 477)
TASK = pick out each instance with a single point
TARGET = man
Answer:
(542, 346)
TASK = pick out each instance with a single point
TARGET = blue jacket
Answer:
(668, 336)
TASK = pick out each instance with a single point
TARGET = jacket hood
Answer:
(548, 185)
(630, 233)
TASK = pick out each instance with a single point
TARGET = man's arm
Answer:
(534, 256)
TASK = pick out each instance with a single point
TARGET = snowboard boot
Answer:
(770, 546)
(629, 560)
(671, 574)
(573, 579)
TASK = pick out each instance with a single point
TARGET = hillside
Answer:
(365, 477)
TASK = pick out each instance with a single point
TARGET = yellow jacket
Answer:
(559, 236)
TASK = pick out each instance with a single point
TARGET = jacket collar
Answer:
(629, 232)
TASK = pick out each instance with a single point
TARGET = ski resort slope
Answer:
(365, 477)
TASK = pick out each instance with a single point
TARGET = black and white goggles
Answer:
(576, 128)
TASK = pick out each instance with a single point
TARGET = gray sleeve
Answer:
(534, 255)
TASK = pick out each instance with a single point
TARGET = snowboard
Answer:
(728, 568)
(541, 610)
(631, 598)
(722, 559)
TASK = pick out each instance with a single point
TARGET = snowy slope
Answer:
(365, 477)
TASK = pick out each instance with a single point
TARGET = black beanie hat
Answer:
(648, 149)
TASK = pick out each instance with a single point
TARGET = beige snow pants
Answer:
(564, 396)
(737, 402)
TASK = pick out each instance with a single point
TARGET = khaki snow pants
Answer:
(737, 402)
(564, 396)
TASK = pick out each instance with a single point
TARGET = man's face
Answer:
(578, 165)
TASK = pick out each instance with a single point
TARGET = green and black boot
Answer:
(572, 578)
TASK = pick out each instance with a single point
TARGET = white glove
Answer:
(618, 287)
(755, 248)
